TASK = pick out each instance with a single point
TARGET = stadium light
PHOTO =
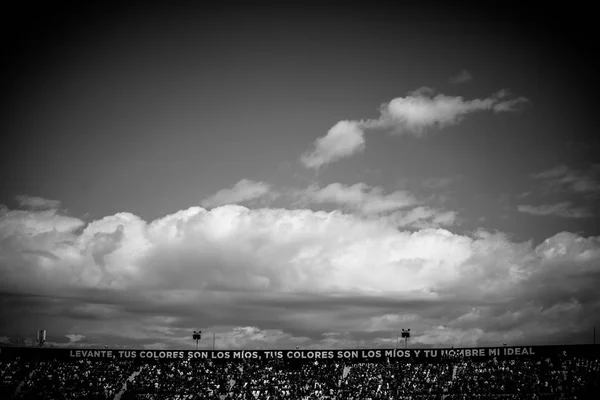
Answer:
(405, 335)
(197, 336)
(41, 338)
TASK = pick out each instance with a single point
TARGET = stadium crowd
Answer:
(72, 380)
(456, 378)
(12, 373)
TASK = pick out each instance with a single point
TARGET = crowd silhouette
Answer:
(452, 378)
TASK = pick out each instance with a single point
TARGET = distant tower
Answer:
(41, 338)
(197, 336)
(405, 336)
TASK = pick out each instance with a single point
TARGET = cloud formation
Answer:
(463, 76)
(279, 277)
(563, 209)
(360, 197)
(74, 338)
(36, 203)
(423, 217)
(244, 190)
(396, 208)
(562, 178)
(414, 114)
(343, 140)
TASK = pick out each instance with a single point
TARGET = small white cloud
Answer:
(74, 338)
(564, 209)
(462, 77)
(244, 190)
(343, 139)
(420, 110)
(413, 114)
(360, 197)
(37, 203)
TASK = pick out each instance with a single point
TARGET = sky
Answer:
(313, 176)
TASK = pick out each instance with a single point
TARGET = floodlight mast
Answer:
(41, 338)
(406, 336)
(197, 336)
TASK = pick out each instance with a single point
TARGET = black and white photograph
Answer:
(299, 201)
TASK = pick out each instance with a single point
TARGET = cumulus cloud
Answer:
(396, 208)
(343, 140)
(278, 277)
(562, 178)
(463, 76)
(360, 197)
(244, 190)
(34, 202)
(21, 222)
(562, 209)
(413, 114)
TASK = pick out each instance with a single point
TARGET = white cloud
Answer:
(462, 77)
(342, 140)
(39, 221)
(244, 190)
(563, 209)
(360, 197)
(74, 338)
(288, 276)
(34, 202)
(414, 114)
(395, 208)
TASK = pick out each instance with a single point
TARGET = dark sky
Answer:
(262, 158)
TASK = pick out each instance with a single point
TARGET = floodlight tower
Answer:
(406, 336)
(41, 338)
(197, 336)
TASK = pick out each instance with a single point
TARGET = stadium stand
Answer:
(558, 375)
